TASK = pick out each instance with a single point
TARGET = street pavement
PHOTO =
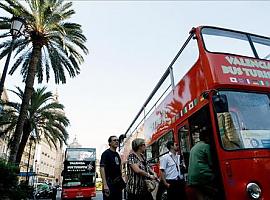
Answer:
(98, 196)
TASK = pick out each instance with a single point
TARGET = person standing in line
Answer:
(200, 172)
(110, 170)
(54, 189)
(170, 173)
(138, 172)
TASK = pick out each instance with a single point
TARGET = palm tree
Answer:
(50, 43)
(45, 117)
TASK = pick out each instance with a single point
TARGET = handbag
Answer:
(183, 169)
(150, 184)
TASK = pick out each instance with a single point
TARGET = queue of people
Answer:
(199, 184)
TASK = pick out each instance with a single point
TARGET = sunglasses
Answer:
(115, 140)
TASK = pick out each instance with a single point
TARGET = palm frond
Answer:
(23, 59)
(47, 66)
(7, 8)
(22, 48)
(4, 25)
(57, 65)
(40, 69)
(17, 7)
(19, 93)
(45, 116)
(4, 34)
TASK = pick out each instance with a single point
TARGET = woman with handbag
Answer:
(138, 173)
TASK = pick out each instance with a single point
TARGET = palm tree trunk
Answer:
(29, 83)
(25, 136)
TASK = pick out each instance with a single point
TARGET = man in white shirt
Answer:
(170, 173)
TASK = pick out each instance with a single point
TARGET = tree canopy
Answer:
(45, 119)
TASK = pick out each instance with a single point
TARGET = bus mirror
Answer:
(62, 173)
(221, 103)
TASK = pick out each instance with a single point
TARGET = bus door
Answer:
(202, 120)
(184, 141)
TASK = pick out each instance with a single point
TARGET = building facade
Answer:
(48, 163)
(4, 140)
(27, 162)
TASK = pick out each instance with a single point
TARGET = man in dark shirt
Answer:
(110, 170)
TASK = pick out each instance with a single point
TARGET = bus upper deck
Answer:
(224, 59)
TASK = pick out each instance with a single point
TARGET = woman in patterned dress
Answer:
(138, 171)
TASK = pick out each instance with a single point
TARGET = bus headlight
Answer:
(254, 191)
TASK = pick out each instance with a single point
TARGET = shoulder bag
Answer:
(150, 184)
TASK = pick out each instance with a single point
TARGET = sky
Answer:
(131, 44)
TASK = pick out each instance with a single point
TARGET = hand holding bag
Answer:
(183, 169)
(150, 184)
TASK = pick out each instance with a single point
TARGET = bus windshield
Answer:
(243, 119)
(80, 154)
(225, 41)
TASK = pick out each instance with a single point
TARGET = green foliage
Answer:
(22, 191)
(8, 178)
(9, 187)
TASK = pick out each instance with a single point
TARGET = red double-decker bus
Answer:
(79, 174)
(219, 79)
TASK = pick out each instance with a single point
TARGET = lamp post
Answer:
(17, 29)
(31, 139)
(35, 179)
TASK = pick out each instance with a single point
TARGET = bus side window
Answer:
(152, 157)
(152, 153)
(162, 149)
(183, 135)
(149, 154)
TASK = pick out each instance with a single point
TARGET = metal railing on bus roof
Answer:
(169, 71)
(146, 114)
